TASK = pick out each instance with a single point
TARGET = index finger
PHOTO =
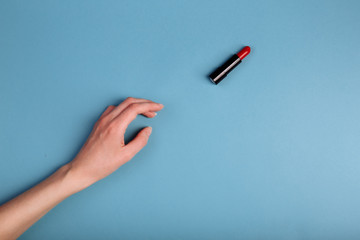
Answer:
(130, 113)
(122, 106)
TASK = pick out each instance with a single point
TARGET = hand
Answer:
(105, 150)
(103, 153)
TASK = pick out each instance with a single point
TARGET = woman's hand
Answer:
(105, 149)
(103, 153)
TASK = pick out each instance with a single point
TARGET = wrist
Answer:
(73, 179)
(70, 182)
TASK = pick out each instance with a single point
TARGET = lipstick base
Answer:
(221, 72)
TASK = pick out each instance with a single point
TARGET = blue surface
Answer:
(272, 152)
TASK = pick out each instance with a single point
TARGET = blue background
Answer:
(272, 152)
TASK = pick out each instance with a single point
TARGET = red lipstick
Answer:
(221, 72)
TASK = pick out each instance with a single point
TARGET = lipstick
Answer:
(221, 72)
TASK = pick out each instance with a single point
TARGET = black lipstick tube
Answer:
(221, 72)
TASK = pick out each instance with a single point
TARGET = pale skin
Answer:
(102, 154)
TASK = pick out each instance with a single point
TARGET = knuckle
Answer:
(111, 128)
(101, 121)
(129, 99)
(127, 155)
(134, 106)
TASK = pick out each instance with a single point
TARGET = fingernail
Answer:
(161, 104)
(148, 130)
(155, 114)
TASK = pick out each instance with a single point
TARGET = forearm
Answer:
(17, 215)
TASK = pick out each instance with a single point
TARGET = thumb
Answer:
(138, 142)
